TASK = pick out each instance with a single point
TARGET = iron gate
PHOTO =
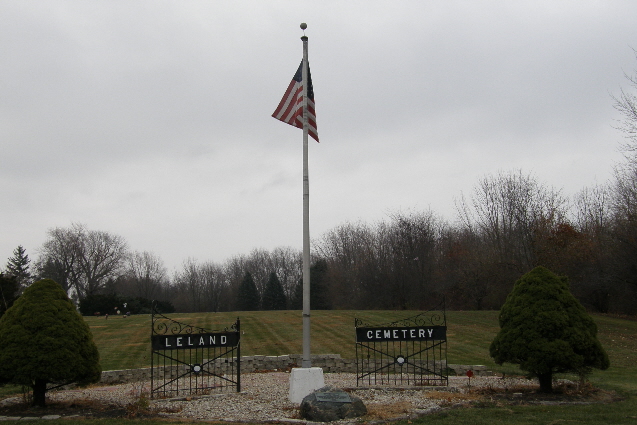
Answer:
(187, 359)
(411, 351)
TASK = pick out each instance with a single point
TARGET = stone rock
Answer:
(327, 411)
(51, 417)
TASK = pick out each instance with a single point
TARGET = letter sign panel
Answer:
(182, 342)
(424, 333)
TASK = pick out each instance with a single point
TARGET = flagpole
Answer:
(307, 360)
(305, 379)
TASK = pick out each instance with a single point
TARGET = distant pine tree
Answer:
(274, 296)
(19, 265)
(248, 296)
(319, 291)
(296, 302)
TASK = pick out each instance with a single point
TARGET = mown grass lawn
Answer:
(124, 343)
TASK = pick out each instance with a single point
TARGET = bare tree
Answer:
(58, 256)
(284, 261)
(259, 265)
(508, 210)
(102, 257)
(189, 285)
(349, 250)
(235, 269)
(214, 287)
(624, 234)
(592, 209)
(626, 104)
(146, 275)
(594, 219)
(624, 201)
(507, 215)
(287, 263)
(467, 276)
(82, 260)
(414, 239)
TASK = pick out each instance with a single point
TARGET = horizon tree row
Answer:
(508, 225)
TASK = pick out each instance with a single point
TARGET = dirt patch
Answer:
(388, 411)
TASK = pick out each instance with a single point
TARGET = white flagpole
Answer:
(305, 379)
(307, 361)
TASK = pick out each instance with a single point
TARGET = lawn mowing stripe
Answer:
(277, 343)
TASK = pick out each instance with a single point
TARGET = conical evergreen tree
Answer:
(545, 330)
(274, 296)
(248, 296)
(45, 340)
(19, 265)
(319, 292)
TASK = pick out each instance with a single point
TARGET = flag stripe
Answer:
(294, 105)
(285, 101)
(290, 109)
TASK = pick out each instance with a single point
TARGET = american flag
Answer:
(290, 109)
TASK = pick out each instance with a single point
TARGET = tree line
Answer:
(509, 224)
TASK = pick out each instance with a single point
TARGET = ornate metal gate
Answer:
(411, 351)
(187, 359)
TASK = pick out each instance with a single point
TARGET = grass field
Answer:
(125, 343)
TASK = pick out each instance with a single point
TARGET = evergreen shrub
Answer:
(46, 341)
(545, 330)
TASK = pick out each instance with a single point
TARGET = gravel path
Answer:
(264, 398)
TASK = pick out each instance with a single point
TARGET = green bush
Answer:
(46, 341)
(545, 330)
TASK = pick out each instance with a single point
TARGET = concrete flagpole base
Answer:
(304, 380)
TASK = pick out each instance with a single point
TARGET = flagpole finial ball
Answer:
(303, 26)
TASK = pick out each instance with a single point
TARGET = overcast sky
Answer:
(151, 119)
